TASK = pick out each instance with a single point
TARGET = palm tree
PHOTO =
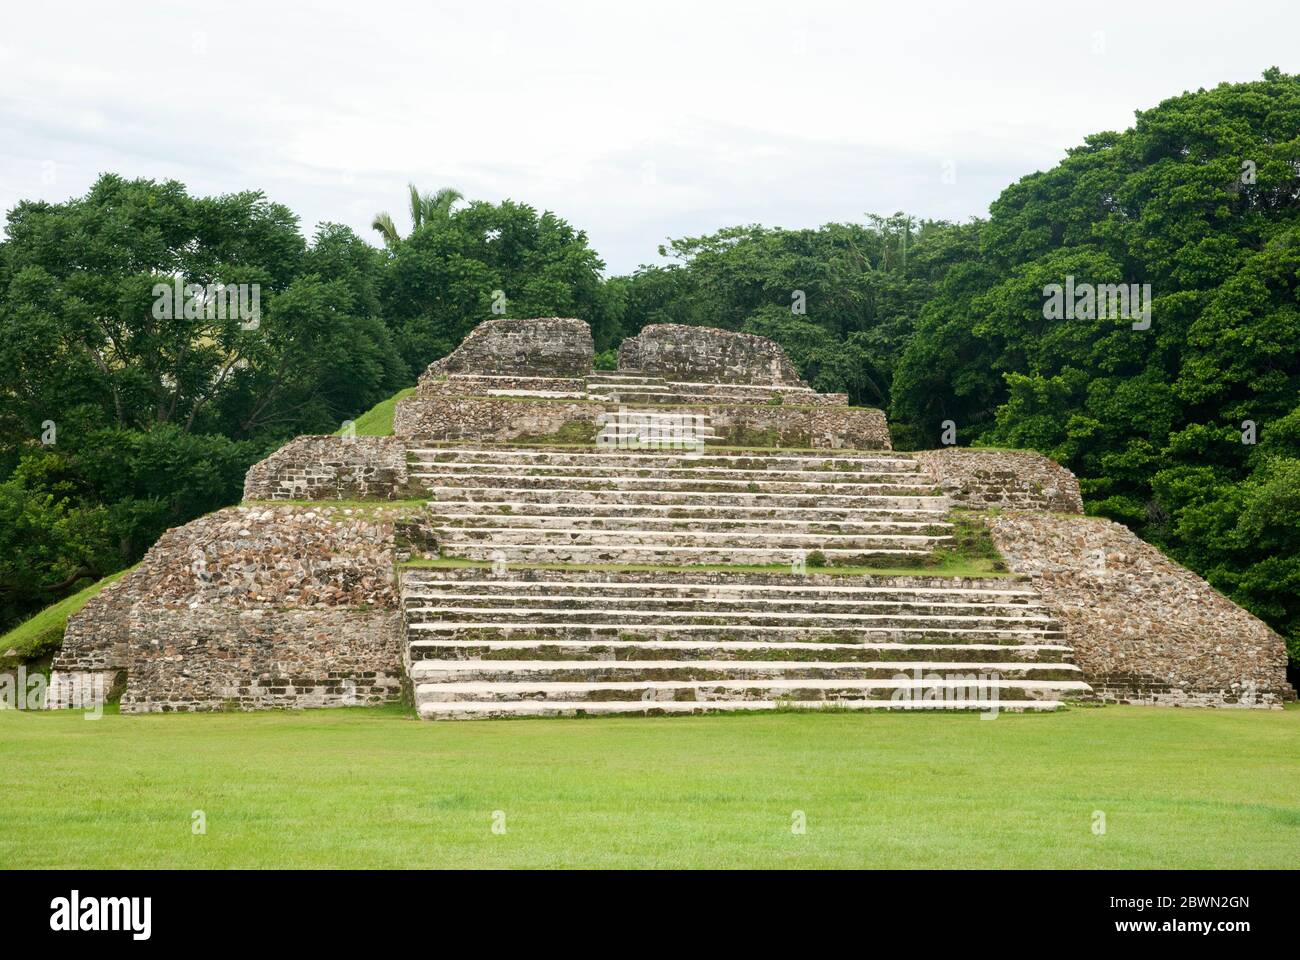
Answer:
(425, 208)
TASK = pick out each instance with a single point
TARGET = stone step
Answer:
(621, 521)
(719, 585)
(471, 710)
(624, 482)
(538, 394)
(810, 689)
(695, 513)
(733, 460)
(676, 556)
(474, 629)
(636, 396)
(651, 470)
(598, 493)
(505, 535)
(790, 651)
(710, 606)
(632, 671)
(621, 378)
(446, 611)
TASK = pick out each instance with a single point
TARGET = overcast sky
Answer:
(635, 122)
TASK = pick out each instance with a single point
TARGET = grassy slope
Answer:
(378, 420)
(43, 632)
(371, 788)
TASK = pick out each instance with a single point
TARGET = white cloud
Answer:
(632, 123)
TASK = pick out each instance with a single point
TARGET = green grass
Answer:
(43, 633)
(378, 420)
(371, 788)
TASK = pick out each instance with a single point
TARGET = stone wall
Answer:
(784, 425)
(1018, 479)
(751, 393)
(491, 419)
(1144, 629)
(214, 657)
(248, 607)
(539, 347)
(498, 419)
(676, 351)
(331, 468)
(475, 384)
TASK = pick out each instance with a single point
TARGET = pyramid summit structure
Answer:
(696, 530)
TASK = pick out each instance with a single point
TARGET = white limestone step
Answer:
(688, 511)
(542, 394)
(416, 612)
(439, 649)
(621, 521)
(504, 534)
(604, 493)
(530, 708)
(445, 577)
(645, 470)
(432, 671)
(768, 459)
(668, 690)
(712, 485)
(673, 556)
(1021, 634)
(705, 604)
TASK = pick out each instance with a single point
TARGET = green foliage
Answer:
(1151, 421)
(859, 287)
(450, 273)
(118, 419)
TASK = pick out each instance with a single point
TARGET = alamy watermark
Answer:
(642, 428)
(1105, 301)
(213, 301)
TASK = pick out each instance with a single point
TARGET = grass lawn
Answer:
(372, 788)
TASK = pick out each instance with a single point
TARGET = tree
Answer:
(424, 208)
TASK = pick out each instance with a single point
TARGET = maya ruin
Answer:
(695, 530)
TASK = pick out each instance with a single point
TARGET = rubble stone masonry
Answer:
(1144, 629)
(248, 607)
(982, 478)
(678, 351)
(538, 347)
(331, 468)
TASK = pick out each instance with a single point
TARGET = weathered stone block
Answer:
(1022, 479)
(539, 347)
(331, 468)
(679, 352)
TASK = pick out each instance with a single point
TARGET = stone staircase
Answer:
(678, 508)
(540, 642)
(529, 631)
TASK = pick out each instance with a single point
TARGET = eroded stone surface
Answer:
(1148, 629)
(680, 352)
(330, 468)
(1020, 479)
(236, 607)
(538, 347)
